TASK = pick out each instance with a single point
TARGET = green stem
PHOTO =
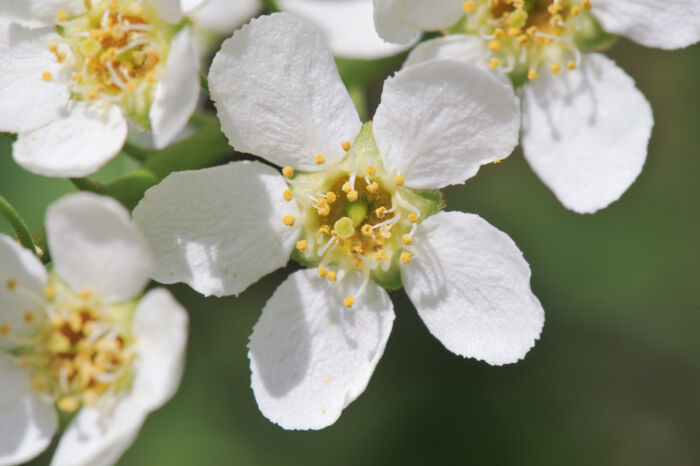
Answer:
(135, 152)
(86, 184)
(17, 223)
(204, 82)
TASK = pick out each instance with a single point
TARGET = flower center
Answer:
(80, 350)
(117, 50)
(527, 37)
(357, 216)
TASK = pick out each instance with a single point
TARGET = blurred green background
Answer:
(614, 379)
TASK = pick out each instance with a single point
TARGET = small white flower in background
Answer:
(347, 25)
(358, 212)
(586, 126)
(75, 72)
(82, 339)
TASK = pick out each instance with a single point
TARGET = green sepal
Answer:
(591, 37)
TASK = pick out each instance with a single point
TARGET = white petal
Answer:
(168, 10)
(471, 286)
(22, 281)
(400, 21)
(98, 437)
(219, 229)
(76, 144)
(458, 47)
(348, 25)
(27, 423)
(667, 24)
(310, 356)
(224, 16)
(38, 13)
(96, 247)
(278, 93)
(439, 121)
(178, 91)
(585, 133)
(27, 100)
(160, 329)
(188, 6)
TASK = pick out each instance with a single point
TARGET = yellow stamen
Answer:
(325, 230)
(68, 404)
(28, 317)
(371, 170)
(571, 65)
(405, 257)
(345, 145)
(494, 45)
(380, 212)
(332, 276)
(331, 197)
(494, 63)
(46, 76)
(349, 301)
(352, 196)
(322, 272)
(319, 159)
(288, 172)
(50, 293)
(412, 217)
(468, 7)
(5, 330)
(366, 230)
(288, 220)
(288, 196)
(62, 16)
(11, 284)
(399, 180)
(532, 75)
(407, 240)
(346, 188)
(373, 187)
(301, 245)
(555, 68)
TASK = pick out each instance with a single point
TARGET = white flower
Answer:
(75, 71)
(586, 126)
(359, 213)
(82, 339)
(347, 25)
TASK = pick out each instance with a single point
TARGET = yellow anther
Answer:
(132, 85)
(575, 10)
(494, 45)
(371, 170)
(497, 162)
(373, 187)
(321, 203)
(405, 257)
(522, 39)
(288, 172)
(151, 78)
(532, 74)
(332, 276)
(494, 63)
(331, 197)
(325, 230)
(556, 20)
(498, 33)
(412, 217)
(468, 7)
(38, 383)
(324, 211)
(345, 145)
(288, 220)
(301, 245)
(68, 404)
(555, 68)
(61, 56)
(531, 31)
(380, 212)
(349, 301)
(136, 8)
(94, 93)
(53, 48)
(11, 284)
(322, 272)
(347, 187)
(288, 196)
(587, 5)
(553, 9)
(399, 180)
(366, 230)
(62, 16)
(5, 330)
(318, 158)
(381, 255)
(571, 65)
(357, 249)
(46, 76)
(512, 32)
(407, 240)
(352, 196)
(85, 294)
(28, 317)
(50, 293)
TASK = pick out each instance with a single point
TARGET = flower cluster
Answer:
(85, 351)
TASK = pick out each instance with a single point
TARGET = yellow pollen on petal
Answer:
(407, 240)
(318, 159)
(288, 196)
(28, 317)
(399, 180)
(352, 196)
(571, 65)
(555, 68)
(288, 172)
(345, 145)
(331, 197)
(46, 76)
(301, 245)
(412, 217)
(85, 294)
(288, 220)
(53, 48)
(62, 16)
(468, 7)
(5, 330)
(494, 63)
(11, 284)
(405, 257)
(371, 170)
(60, 56)
(322, 272)
(349, 301)
(332, 276)
(532, 74)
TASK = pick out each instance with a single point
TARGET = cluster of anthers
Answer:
(355, 216)
(116, 49)
(527, 35)
(75, 354)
